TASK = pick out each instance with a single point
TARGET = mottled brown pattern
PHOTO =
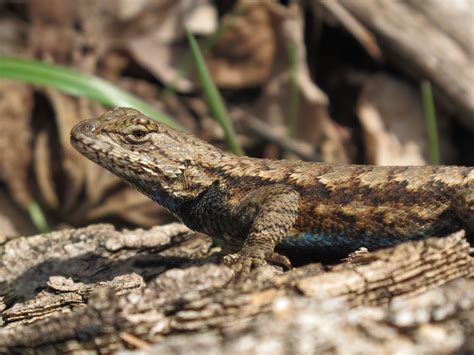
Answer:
(255, 204)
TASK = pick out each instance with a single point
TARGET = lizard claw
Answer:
(278, 259)
(242, 264)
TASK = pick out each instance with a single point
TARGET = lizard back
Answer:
(347, 207)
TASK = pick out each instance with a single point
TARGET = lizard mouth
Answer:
(85, 146)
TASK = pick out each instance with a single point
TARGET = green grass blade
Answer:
(430, 119)
(213, 96)
(77, 84)
(38, 218)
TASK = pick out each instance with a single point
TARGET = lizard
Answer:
(256, 206)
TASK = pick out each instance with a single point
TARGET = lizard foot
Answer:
(242, 264)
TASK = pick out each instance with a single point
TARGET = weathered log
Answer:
(99, 289)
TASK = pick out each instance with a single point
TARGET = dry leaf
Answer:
(391, 115)
(13, 221)
(16, 103)
(315, 126)
(245, 52)
(162, 49)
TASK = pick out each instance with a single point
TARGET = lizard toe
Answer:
(242, 265)
(278, 259)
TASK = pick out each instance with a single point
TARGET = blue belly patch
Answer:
(338, 242)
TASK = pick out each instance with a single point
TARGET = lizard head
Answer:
(159, 161)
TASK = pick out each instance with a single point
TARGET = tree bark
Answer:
(161, 291)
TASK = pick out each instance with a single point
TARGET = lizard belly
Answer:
(340, 243)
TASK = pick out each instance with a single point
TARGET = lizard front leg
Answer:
(271, 212)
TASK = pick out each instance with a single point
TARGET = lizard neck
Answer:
(171, 203)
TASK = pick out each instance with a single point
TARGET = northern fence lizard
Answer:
(255, 205)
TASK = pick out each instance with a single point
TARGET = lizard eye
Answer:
(136, 135)
(139, 134)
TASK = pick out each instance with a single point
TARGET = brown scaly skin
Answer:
(255, 205)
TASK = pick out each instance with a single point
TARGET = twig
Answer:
(364, 36)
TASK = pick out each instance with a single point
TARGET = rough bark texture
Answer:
(160, 291)
(428, 40)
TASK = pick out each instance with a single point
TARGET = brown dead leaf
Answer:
(12, 36)
(13, 221)
(391, 115)
(162, 60)
(163, 49)
(71, 32)
(315, 126)
(16, 101)
(244, 54)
